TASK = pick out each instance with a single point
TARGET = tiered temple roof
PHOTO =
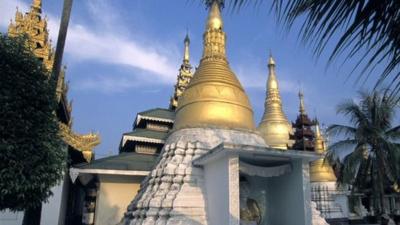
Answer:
(34, 27)
(303, 134)
(149, 132)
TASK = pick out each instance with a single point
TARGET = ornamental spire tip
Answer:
(214, 17)
(302, 109)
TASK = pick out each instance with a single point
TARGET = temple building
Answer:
(201, 160)
(303, 134)
(79, 147)
(115, 180)
(215, 167)
(329, 200)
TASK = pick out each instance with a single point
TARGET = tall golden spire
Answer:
(184, 76)
(214, 96)
(186, 54)
(320, 170)
(274, 126)
(302, 108)
(320, 145)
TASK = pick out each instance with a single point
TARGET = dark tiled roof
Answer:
(123, 161)
(159, 113)
(146, 133)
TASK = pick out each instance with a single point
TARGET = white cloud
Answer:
(7, 11)
(104, 45)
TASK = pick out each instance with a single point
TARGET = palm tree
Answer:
(369, 28)
(368, 151)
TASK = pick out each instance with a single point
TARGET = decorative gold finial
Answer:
(214, 37)
(37, 4)
(271, 61)
(214, 97)
(274, 126)
(184, 76)
(320, 145)
(302, 108)
(32, 24)
(214, 17)
(186, 55)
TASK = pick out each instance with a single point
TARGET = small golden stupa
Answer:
(214, 96)
(320, 170)
(274, 127)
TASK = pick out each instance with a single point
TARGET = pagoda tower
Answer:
(184, 76)
(214, 108)
(34, 27)
(303, 134)
(274, 126)
(324, 190)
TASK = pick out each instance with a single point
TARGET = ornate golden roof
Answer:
(214, 96)
(35, 27)
(82, 143)
(184, 76)
(320, 170)
(274, 126)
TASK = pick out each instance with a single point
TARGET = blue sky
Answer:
(123, 57)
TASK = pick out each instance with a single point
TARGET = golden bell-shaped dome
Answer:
(320, 170)
(274, 126)
(214, 96)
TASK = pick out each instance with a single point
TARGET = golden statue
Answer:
(250, 212)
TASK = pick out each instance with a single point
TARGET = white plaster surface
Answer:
(317, 219)
(331, 203)
(174, 192)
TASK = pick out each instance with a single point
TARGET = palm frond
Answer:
(351, 165)
(355, 113)
(340, 148)
(393, 133)
(338, 129)
(365, 27)
(391, 163)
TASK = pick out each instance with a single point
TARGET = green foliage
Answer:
(370, 146)
(31, 151)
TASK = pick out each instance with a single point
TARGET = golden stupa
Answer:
(320, 170)
(274, 126)
(214, 96)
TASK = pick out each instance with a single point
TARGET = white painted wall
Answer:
(217, 200)
(289, 197)
(11, 218)
(51, 209)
